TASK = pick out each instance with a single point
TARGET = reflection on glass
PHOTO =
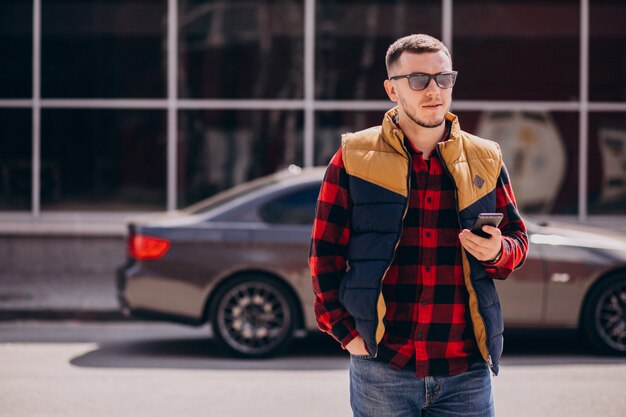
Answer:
(16, 45)
(103, 49)
(241, 49)
(516, 50)
(15, 159)
(607, 163)
(534, 154)
(330, 125)
(607, 50)
(220, 149)
(103, 160)
(352, 38)
(540, 150)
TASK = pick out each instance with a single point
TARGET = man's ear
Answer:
(391, 91)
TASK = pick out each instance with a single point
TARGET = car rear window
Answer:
(229, 195)
(297, 207)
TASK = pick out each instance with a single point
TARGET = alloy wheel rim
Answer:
(610, 316)
(253, 318)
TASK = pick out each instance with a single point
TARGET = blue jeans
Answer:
(377, 390)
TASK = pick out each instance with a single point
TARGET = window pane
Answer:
(220, 149)
(330, 125)
(103, 160)
(294, 208)
(607, 163)
(241, 49)
(15, 159)
(607, 49)
(540, 150)
(103, 49)
(16, 48)
(352, 38)
(516, 50)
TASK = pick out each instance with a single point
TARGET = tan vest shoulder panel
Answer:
(475, 165)
(368, 157)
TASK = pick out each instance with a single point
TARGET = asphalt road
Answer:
(147, 369)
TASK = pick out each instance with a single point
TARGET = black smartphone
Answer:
(486, 219)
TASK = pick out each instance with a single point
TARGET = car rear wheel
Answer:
(253, 316)
(604, 316)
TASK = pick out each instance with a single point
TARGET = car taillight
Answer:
(147, 248)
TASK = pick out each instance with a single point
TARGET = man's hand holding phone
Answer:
(485, 249)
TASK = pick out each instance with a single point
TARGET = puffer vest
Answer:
(379, 169)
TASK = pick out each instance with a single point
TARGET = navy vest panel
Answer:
(371, 246)
(488, 301)
(362, 301)
(376, 221)
(381, 217)
(364, 192)
(375, 228)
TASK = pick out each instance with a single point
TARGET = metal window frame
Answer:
(172, 108)
(583, 124)
(309, 104)
(36, 111)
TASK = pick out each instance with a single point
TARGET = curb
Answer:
(79, 315)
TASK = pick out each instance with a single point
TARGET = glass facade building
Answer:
(142, 105)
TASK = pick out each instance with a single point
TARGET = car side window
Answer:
(297, 207)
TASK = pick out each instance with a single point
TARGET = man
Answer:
(399, 279)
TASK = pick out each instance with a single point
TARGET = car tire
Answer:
(604, 316)
(253, 316)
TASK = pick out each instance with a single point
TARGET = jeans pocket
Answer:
(479, 365)
(367, 356)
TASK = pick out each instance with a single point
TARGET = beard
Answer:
(423, 123)
(428, 125)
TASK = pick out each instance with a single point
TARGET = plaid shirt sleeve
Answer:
(327, 256)
(514, 236)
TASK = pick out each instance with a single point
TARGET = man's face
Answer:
(427, 107)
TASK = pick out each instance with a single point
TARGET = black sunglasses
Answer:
(419, 81)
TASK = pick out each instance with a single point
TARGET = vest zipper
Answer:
(490, 362)
(458, 218)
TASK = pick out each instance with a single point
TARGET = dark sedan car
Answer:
(239, 260)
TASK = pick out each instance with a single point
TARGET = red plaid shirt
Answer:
(427, 324)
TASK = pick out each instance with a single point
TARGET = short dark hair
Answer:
(416, 44)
